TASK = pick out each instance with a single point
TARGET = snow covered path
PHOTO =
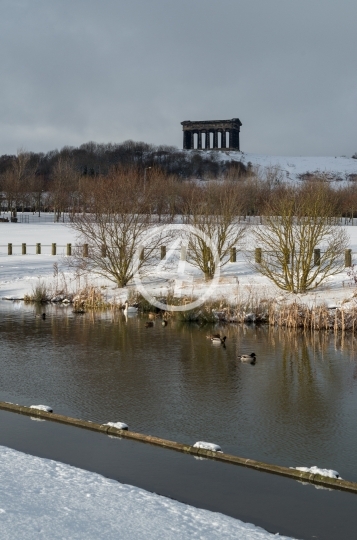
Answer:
(45, 499)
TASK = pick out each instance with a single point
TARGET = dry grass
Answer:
(89, 298)
(41, 293)
(296, 315)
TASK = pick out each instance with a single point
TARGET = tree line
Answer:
(62, 181)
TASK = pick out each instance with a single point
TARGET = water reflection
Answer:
(296, 406)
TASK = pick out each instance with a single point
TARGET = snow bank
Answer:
(42, 499)
(208, 446)
(316, 470)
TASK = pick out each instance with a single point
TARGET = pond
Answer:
(296, 406)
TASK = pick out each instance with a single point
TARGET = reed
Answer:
(41, 293)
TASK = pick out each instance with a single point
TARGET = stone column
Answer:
(199, 140)
(215, 139)
(192, 140)
(229, 138)
(223, 143)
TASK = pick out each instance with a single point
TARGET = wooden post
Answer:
(317, 257)
(163, 252)
(348, 258)
(85, 250)
(23, 249)
(258, 255)
(183, 253)
(103, 250)
(69, 250)
(54, 249)
(233, 256)
(9, 249)
(38, 249)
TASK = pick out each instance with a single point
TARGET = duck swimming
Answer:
(216, 338)
(248, 358)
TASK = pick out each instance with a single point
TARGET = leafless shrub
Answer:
(214, 211)
(293, 227)
(117, 224)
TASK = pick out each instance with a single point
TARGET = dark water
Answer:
(296, 406)
(277, 504)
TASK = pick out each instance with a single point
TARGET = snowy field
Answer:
(19, 274)
(41, 499)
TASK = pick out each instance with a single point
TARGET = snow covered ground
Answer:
(335, 169)
(20, 273)
(41, 499)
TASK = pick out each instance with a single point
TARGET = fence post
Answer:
(103, 250)
(348, 258)
(258, 255)
(54, 249)
(141, 253)
(23, 249)
(9, 249)
(233, 257)
(69, 250)
(38, 249)
(85, 250)
(163, 252)
(317, 257)
(183, 253)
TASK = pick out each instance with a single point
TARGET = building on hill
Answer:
(211, 134)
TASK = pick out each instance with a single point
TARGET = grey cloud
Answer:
(81, 70)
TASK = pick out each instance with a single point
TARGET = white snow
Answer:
(316, 470)
(19, 274)
(41, 408)
(208, 446)
(41, 499)
(118, 425)
(334, 169)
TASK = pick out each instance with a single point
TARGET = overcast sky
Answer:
(110, 70)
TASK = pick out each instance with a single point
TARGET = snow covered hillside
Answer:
(335, 169)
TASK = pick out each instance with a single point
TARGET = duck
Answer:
(149, 324)
(129, 309)
(216, 338)
(248, 358)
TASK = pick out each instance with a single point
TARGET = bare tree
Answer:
(17, 179)
(214, 210)
(115, 226)
(294, 226)
(64, 183)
